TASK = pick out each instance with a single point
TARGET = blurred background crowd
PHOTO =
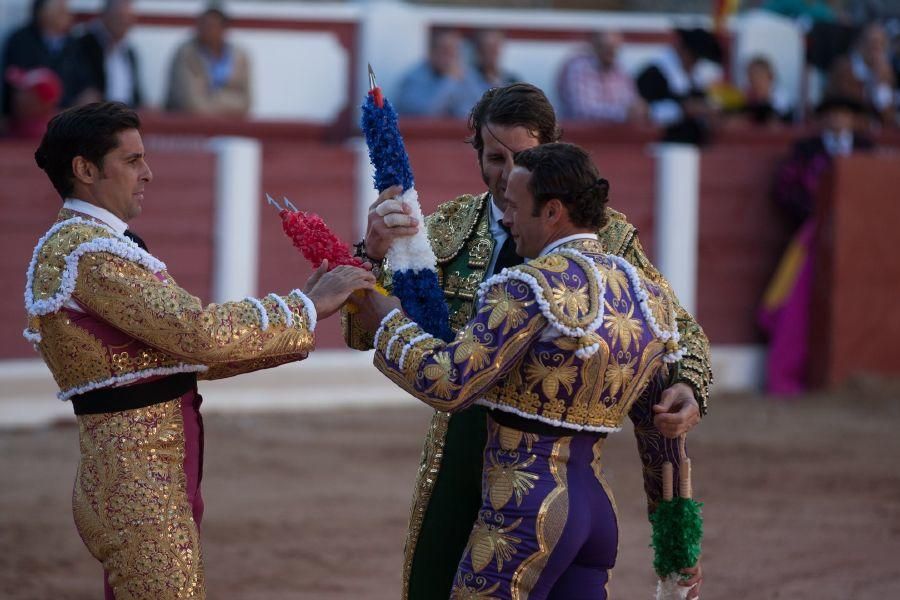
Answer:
(689, 90)
(793, 83)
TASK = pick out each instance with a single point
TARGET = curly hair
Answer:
(566, 172)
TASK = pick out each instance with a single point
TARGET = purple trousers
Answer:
(137, 500)
(547, 527)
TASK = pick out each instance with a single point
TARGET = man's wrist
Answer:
(360, 251)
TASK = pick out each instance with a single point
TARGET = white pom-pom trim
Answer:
(263, 315)
(118, 245)
(278, 300)
(130, 377)
(382, 327)
(643, 301)
(311, 315)
(396, 336)
(419, 338)
(412, 252)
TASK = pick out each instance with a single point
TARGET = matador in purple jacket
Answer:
(560, 350)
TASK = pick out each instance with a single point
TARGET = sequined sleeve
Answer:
(694, 368)
(450, 377)
(230, 338)
(654, 448)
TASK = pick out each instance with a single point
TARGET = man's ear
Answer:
(553, 210)
(84, 170)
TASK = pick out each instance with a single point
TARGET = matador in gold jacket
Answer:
(126, 346)
(471, 244)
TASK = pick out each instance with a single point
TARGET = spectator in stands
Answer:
(112, 61)
(675, 86)
(785, 309)
(762, 101)
(442, 85)
(209, 75)
(488, 46)
(592, 85)
(866, 74)
(35, 97)
(45, 41)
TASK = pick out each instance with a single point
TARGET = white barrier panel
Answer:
(236, 209)
(676, 215)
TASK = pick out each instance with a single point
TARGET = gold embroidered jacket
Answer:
(102, 312)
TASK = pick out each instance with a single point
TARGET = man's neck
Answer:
(96, 213)
(570, 236)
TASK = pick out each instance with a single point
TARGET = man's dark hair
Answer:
(90, 131)
(565, 171)
(516, 105)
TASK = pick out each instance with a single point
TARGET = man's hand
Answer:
(372, 309)
(329, 290)
(677, 411)
(693, 581)
(388, 219)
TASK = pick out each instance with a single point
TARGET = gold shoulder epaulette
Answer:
(617, 233)
(452, 223)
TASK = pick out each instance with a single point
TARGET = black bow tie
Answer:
(136, 239)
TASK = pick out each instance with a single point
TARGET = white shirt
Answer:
(99, 214)
(95, 212)
(498, 233)
(569, 238)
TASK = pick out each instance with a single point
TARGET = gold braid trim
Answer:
(695, 368)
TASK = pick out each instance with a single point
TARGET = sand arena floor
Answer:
(802, 501)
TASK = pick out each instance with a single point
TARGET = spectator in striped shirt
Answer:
(592, 85)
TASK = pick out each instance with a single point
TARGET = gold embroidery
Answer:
(469, 350)
(551, 521)
(506, 479)
(504, 309)
(452, 224)
(463, 588)
(131, 506)
(622, 327)
(549, 376)
(440, 372)
(429, 467)
(492, 541)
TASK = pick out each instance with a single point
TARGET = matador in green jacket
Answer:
(471, 243)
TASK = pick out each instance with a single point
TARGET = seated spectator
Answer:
(35, 100)
(442, 85)
(46, 42)
(209, 75)
(762, 101)
(866, 74)
(112, 61)
(592, 85)
(785, 309)
(488, 45)
(675, 86)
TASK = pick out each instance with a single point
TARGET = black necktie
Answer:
(136, 239)
(507, 256)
